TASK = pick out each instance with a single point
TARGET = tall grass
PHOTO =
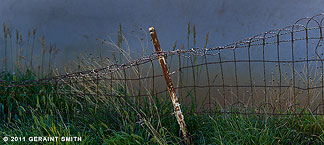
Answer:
(21, 55)
(101, 112)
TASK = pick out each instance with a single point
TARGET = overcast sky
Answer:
(74, 25)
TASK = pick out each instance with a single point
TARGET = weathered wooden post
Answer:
(175, 102)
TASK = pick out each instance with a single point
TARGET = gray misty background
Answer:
(74, 25)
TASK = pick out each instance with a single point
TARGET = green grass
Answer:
(48, 110)
(120, 121)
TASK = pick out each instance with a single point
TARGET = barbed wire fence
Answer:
(277, 72)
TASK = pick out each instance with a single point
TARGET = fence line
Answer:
(276, 72)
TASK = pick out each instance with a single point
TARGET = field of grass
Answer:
(119, 121)
(46, 111)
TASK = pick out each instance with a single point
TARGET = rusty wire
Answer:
(279, 93)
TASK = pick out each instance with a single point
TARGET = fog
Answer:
(74, 25)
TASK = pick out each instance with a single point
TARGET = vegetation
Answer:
(72, 109)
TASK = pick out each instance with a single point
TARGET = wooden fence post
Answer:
(175, 102)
